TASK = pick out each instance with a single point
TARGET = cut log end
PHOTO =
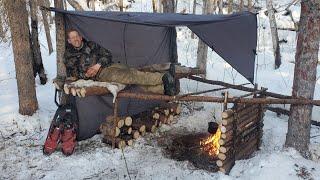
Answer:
(128, 121)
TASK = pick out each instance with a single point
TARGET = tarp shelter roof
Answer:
(233, 37)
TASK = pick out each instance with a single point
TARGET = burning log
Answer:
(119, 143)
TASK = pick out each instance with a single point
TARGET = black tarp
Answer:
(139, 39)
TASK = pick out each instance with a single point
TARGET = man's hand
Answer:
(93, 70)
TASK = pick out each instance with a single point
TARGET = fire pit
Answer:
(237, 136)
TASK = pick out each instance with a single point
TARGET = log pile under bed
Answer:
(130, 128)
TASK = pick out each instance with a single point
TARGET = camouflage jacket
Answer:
(77, 61)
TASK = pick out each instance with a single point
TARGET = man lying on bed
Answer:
(87, 60)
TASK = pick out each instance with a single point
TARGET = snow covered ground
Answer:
(22, 137)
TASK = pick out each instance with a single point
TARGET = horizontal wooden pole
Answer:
(218, 99)
(239, 87)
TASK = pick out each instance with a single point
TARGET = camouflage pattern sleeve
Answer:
(70, 63)
(104, 56)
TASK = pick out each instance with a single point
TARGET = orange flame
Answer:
(211, 144)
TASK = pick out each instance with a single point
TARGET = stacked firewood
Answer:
(166, 114)
(130, 128)
(241, 132)
(122, 132)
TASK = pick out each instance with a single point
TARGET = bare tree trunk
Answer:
(230, 8)
(160, 8)
(214, 5)
(60, 40)
(306, 58)
(202, 51)
(120, 4)
(176, 6)
(65, 5)
(250, 5)
(274, 34)
(241, 5)
(2, 32)
(75, 5)
(46, 26)
(168, 6)
(194, 7)
(93, 5)
(48, 13)
(37, 59)
(18, 22)
(220, 5)
(154, 7)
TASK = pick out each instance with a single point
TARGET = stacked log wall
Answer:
(241, 128)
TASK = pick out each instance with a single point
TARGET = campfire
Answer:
(211, 144)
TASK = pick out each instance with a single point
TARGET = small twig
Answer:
(125, 160)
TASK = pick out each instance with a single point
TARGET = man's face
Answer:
(74, 39)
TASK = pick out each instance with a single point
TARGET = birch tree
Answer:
(274, 35)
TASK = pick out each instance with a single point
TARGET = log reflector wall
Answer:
(241, 128)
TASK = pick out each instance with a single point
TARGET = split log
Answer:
(94, 90)
(226, 128)
(224, 156)
(135, 134)
(78, 92)
(150, 126)
(227, 121)
(137, 124)
(226, 114)
(156, 115)
(66, 89)
(224, 149)
(119, 143)
(170, 119)
(125, 130)
(163, 118)
(73, 91)
(107, 129)
(128, 121)
(174, 108)
(128, 139)
(119, 122)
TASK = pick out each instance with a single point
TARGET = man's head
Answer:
(74, 38)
